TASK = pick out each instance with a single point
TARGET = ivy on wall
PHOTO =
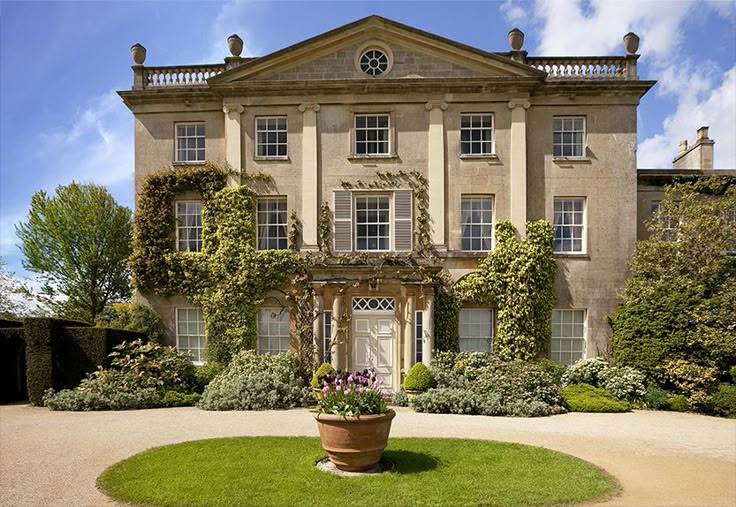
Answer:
(517, 277)
(230, 277)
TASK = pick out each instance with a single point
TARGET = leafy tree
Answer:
(133, 316)
(676, 318)
(78, 240)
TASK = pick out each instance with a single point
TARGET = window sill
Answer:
(563, 255)
(180, 163)
(571, 161)
(365, 158)
(271, 159)
(491, 158)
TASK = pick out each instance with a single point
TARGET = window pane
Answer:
(476, 223)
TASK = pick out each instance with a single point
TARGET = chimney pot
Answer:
(703, 133)
(683, 146)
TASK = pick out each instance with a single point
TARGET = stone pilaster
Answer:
(233, 136)
(428, 341)
(318, 329)
(408, 333)
(436, 167)
(518, 164)
(310, 186)
(337, 346)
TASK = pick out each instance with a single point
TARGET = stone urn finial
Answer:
(138, 52)
(631, 43)
(516, 39)
(235, 44)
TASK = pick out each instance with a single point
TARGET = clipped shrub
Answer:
(679, 403)
(584, 371)
(656, 398)
(112, 399)
(514, 381)
(133, 317)
(624, 383)
(419, 378)
(323, 370)
(179, 399)
(723, 401)
(732, 372)
(399, 398)
(455, 369)
(692, 380)
(257, 382)
(586, 398)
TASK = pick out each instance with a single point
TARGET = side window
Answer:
(476, 330)
(568, 336)
(476, 217)
(568, 136)
(271, 137)
(569, 223)
(273, 330)
(189, 142)
(189, 226)
(190, 333)
(372, 134)
(476, 134)
(272, 224)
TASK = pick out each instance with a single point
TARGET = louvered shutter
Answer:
(343, 230)
(402, 220)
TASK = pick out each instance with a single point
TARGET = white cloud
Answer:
(97, 146)
(513, 12)
(712, 102)
(232, 18)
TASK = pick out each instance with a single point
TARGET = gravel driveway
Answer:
(660, 458)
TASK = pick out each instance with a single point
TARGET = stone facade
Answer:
(428, 86)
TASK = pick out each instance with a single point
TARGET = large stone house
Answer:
(494, 135)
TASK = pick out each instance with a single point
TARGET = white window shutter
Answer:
(343, 229)
(403, 220)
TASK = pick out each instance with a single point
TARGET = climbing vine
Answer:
(418, 183)
(295, 231)
(518, 278)
(324, 229)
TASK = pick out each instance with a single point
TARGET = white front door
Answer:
(373, 339)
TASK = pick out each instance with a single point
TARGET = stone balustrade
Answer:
(586, 67)
(179, 76)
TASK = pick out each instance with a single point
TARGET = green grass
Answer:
(279, 471)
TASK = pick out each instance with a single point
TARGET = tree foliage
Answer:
(78, 240)
(676, 318)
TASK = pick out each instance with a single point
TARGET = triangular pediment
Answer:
(413, 53)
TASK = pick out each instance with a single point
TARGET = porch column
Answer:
(336, 356)
(317, 329)
(309, 191)
(428, 340)
(409, 333)
(436, 167)
(233, 135)
(518, 164)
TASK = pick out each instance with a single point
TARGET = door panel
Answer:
(373, 346)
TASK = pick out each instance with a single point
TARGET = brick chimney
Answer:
(698, 156)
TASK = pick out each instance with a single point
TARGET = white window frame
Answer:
(467, 311)
(388, 224)
(388, 129)
(180, 227)
(186, 137)
(563, 131)
(265, 131)
(197, 359)
(557, 333)
(418, 335)
(261, 333)
(583, 226)
(471, 197)
(472, 128)
(268, 224)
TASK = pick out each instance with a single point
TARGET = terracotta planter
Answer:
(355, 443)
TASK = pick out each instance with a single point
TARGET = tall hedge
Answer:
(59, 353)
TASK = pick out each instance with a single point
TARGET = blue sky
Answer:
(61, 62)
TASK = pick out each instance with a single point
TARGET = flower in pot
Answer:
(417, 380)
(324, 370)
(353, 419)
